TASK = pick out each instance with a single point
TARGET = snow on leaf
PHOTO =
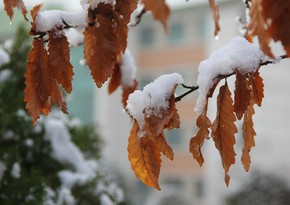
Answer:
(278, 14)
(257, 27)
(242, 95)
(100, 48)
(224, 128)
(11, 4)
(257, 85)
(59, 59)
(196, 142)
(144, 158)
(248, 135)
(38, 80)
(162, 145)
(216, 16)
(159, 10)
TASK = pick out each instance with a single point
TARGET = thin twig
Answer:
(273, 62)
(138, 18)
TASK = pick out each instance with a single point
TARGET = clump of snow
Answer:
(4, 74)
(154, 99)
(15, 171)
(65, 197)
(50, 19)
(135, 14)
(94, 3)
(237, 54)
(74, 37)
(105, 200)
(128, 69)
(8, 135)
(29, 142)
(2, 170)
(4, 57)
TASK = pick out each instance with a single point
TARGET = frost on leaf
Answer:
(277, 12)
(203, 123)
(216, 16)
(224, 129)
(159, 10)
(242, 95)
(248, 135)
(9, 5)
(100, 47)
(59, 59)
(144, 157)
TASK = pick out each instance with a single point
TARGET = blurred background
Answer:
(189, 40)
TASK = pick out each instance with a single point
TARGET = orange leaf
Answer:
(162, 145)
(34, 12)
(59, 59)
(57, 97)
(224, 128)
(203, 123)
(38, 80)
(145, 159)
(257, 85)
(100, 49)
(248, 135)
(154, 125)
(216, 15)
(279, 28)
(11, 4)
(115, 80)
(159, 10)
(257, 27)
(242, 95)
(127, 91)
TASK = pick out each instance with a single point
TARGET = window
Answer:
(176, 32)
(147, 36)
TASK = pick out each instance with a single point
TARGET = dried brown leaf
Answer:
(34, 12)
(59, 59)
(224, 129)
(115, 80)
(11, 4)
(159, 9)
(242, 95)
(257, 85)
(127, 91)
(248, 135)
(144, 158)
(216, 15)
(162, 145)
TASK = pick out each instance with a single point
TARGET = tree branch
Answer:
(220, 77)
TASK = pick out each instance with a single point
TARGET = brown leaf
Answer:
(154, 125)
(242, 95)
(57, 97)
(216, 15)
(257, 85)
(196, 142)
(248, 135)
(159, 9)
(162, 145)
(34, 12)
(115, 80)
(127, 91)
(38, 80)
(100, 48)
(145, 159)
(224, 129)
(59, 59)
(257, 27)
(11, 4)
(277, 12)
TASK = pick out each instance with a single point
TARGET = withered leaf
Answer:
(115, 80)
(162, 145)
(216, 16)
(224, 129)
(257, 85)
(38, 81)
(144, 158)
(248, 135)
(159, 9)
(9, 5)
(100, 49)
(242, 95)
(34, 12)
(59, 59)
(127, 91)
(196, 142)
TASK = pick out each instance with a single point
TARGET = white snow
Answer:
(154, 99)
(8, 135)
(105, 200)
(15, 171)
(2, 170)
(74, 37)
(94, 3)
(128, 69)
(237, 54)
(4, 57)
(4, 74)
(50, 19)
(135, 14)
